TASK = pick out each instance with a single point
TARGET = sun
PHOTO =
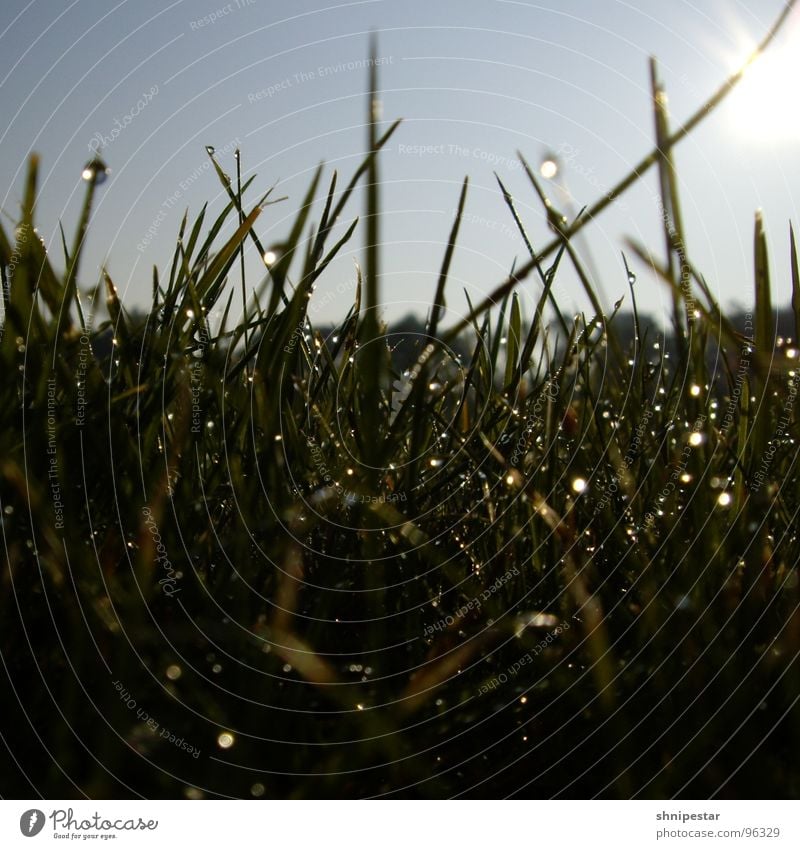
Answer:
(764, 104)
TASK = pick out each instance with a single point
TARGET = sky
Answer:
(149, 84)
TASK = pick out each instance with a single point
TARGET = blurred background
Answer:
(148, 86)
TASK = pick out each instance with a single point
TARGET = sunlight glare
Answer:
(763, 102)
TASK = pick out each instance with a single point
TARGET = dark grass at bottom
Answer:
(676, 732)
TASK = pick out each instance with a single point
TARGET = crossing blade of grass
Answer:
(319, 241)
(317, 267)
(237, 202)
(372, 366)
(194, 235)
(546, 277)
(242, 271)
(741, 472)
(225, 258)
(438, 299)
(362, 169)
(518, 221)
(514, 342)
(122, 336)
(48, 283)
(764, 343)
(795, 285)
(670, 224)
(290, 247)
(497, 336)
(71, 279)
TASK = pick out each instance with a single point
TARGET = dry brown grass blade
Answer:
(425, 681)
(303, 658)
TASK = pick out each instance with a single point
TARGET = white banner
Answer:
(401, 824)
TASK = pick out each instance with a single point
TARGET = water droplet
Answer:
(174, 672)
(209, 150)
(724, 499)
(549, 168)
(225, 740)
(579, 484)
(95, 171)
(270, 257)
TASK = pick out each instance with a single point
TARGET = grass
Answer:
(255, 559)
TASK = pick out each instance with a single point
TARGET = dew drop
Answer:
(579, 484)
(96, 171)
(209, 150)
(549, 168)
(225, 740)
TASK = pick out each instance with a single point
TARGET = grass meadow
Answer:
(529, 553)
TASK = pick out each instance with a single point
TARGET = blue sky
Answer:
(475, 81)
